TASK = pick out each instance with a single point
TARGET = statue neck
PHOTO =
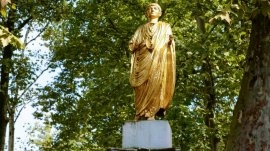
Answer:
(153, 20)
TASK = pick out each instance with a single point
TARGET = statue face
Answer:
(153, 11)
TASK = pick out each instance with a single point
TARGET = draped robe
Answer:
(152, 74)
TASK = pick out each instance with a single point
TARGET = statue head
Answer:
(153, 10)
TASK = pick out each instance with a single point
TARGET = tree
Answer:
(208, 69)
(16, 72)
(41, 136)
(89, 78)
(91, 97)
(250, 123)
(7, 38)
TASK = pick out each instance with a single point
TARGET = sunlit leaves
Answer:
(8, 38)
(223, 16)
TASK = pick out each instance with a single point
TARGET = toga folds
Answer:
(152, 74)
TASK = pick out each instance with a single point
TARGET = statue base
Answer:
(148, 134)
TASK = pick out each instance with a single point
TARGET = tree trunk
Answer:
(250, 129)
(3, 120)
(210, 103)
(4, 83)
(5, 70)
(11, 130)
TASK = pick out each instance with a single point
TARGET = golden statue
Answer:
(152, 74)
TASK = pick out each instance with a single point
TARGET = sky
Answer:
(22, 125)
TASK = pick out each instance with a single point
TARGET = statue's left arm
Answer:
(171, 38)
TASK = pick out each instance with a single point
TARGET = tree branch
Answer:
(113, 25)
(27, 88)
(19, 113)
(26, 34)
(25, 22)
(44, 28)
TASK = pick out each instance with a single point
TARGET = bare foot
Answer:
(151, 118)
(136, 118)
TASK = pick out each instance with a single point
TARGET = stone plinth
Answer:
(150, 134)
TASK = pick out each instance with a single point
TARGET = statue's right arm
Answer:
(133, 47)
(136, 43)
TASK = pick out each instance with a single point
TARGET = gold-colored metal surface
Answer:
(152, 72)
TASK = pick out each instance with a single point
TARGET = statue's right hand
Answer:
(140, 46)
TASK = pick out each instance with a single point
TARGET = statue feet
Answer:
(151, 118)
(137, 118)
(159, 115)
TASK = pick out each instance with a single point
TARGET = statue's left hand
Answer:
(170, 40)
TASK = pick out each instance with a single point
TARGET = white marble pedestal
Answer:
(149, 134)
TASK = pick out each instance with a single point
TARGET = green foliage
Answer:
(91, 97)
(215, 55)
(40, 135)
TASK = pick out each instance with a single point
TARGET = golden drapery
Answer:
(152, 72)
